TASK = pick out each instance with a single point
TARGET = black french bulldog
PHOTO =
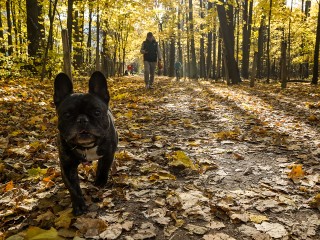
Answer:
(86, 132)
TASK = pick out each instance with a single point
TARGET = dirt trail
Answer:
(198, 160)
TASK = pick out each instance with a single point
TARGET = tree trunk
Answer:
(260, 48)
(77, 42)
(202, 53)
(254, 69)
(70, 22)
(316, 52)
(246, 31)
(172, 56)
(9, 24)
(283, 64)
(268, 43)
(219, 59)
(88, 60)
(193, 69)
(66, 53)
(209, 49)
(2, 49)
(52, 12)
(226, 29)
(98, 41)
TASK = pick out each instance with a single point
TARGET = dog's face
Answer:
(82, 117)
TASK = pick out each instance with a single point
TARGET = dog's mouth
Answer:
(85, 138)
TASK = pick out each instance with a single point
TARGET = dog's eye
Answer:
(66, 115)
(97, 112)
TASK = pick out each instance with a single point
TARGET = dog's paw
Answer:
(102, 183)
(79, 209)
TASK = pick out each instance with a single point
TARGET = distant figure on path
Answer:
(151, 54)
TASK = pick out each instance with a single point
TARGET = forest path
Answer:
(196, 160)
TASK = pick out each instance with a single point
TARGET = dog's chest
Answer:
(89, 154)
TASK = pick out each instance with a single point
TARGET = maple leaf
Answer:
(180, 159)
(296, 172)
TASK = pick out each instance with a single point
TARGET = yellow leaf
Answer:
(258, 218)
(35, 119)
(179, 158)
(312, 118)
(35, 145)
(64, 219)
(9, 186)
(315, 201)
(162, 176)
(15, 133)
(296, 172)
(35, 233)
(35, 173)
(129, 114)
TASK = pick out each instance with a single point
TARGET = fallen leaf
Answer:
(296, 172)
(275, 230)
(9, 186)
(35, 233)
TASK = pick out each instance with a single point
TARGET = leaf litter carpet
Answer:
(196, 160)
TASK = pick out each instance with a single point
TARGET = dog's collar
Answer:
(85, 152)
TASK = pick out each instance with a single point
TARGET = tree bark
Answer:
(260, 48)
(9, 24)
(52, 12)
(202, 53)
(316, 52)
(246, 34)
(226, 29)
(172, 56)
(209, 49)
(2, 49)
(268, 43)
(193, 69)
(70, 22)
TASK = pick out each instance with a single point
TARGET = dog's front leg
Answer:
(71, 179)
(103, 168)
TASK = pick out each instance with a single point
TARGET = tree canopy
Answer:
(107, 34)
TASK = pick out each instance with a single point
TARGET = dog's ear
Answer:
(98, 86)
(62, 88)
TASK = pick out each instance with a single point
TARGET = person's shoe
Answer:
(151, 87)
(147, 86)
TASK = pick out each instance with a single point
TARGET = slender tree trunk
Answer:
(2, 49)
(268, 43)
(316, 52)
(89, 55)
(9, 24)
(283, 64)
(172, 56)
(219, 60)
(214, 52)
(202, 53)
(246, 33)
(51, 18)
(98, 40)
(70, 22)
(193, 69)
(226, 28)
(77, 49)
(260, 48)
(180, 59)
(209, 49)
(15, 28)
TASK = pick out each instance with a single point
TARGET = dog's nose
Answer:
(82, 119)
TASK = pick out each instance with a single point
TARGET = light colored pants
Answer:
(149, 69)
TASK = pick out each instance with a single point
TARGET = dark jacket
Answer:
(151, 51)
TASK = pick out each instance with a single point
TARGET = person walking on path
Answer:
(177, 68)
(151, 54)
